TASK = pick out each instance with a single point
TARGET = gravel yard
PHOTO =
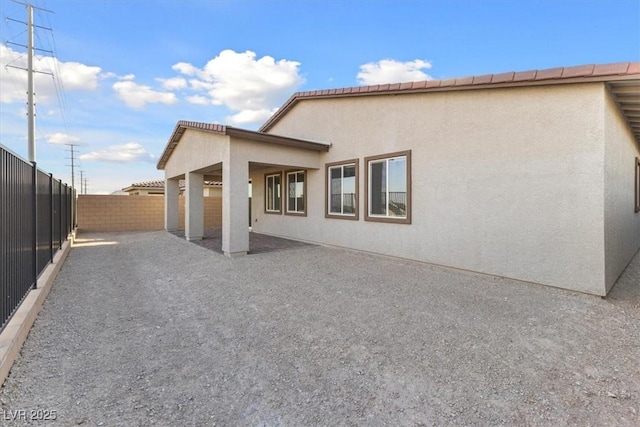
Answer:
(147, 329)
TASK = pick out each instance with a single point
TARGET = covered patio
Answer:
(258, 243)
(198, 152)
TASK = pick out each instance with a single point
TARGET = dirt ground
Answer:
(147, 329)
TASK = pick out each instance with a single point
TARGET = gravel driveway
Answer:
(148, 329)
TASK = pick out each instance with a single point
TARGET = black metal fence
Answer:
(35, 219)
(346, 202)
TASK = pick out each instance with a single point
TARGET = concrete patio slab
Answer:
(148, 329)
(258, 243)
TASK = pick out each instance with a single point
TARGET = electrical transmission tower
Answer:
(73, 168)
(31, 115)
(83, 182)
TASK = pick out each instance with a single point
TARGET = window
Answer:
(388, 188)
(637, 186)
(342, 190)
(273, 196)
(296, 193)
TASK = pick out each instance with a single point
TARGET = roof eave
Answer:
(277, 139)
(182, 126)
(568, 75)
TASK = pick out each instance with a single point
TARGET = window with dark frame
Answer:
(342, 190)
(296, 193)
(637, 185)
(388, 188)
(273, 196)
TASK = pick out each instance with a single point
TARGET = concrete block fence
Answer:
(136, 213)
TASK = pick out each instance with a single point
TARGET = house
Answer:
(156, 188)
(528, 175)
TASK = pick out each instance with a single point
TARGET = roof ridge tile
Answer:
(464, 81)
(484, 79)
(609, 69)
(502, 77)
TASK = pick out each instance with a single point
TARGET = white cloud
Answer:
(76, 76)
(71, 76)
(392, 71)
(111, 75)
(61, 138)
(125, 153)
(198, 100)
(185, 68)
(252, 88)
(107, 75)
(174, 83)
(250, 116)
(200, 86)
(137, 96)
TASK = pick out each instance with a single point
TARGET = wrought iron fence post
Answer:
(71, 217)
(34, 222)
(60, 214)
(51, 222)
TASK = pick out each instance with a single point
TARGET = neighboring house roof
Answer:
(183, 125)
(623, 79)
(158, 184)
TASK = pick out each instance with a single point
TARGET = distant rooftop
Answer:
(159, 184)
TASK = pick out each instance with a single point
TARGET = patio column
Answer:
(235, 206)
(194, 206)
(171, 198)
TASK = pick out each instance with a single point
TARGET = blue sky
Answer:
(127, 71)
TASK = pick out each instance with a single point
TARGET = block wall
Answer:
(136, 213)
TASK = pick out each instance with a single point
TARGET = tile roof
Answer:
(159, 183)
(581, 73)
(251, 135)
(149, 184)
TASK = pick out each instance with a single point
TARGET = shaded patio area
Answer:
(258, 243)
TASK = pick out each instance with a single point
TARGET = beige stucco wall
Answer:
(212, 192)
(622, 223)
(197, 149)
(120, 213)
(507, 182)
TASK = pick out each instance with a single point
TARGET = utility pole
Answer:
(73, 182)
(31, 129)
(73, 167)
(81, 180)
(31, 107)
(85, 185)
